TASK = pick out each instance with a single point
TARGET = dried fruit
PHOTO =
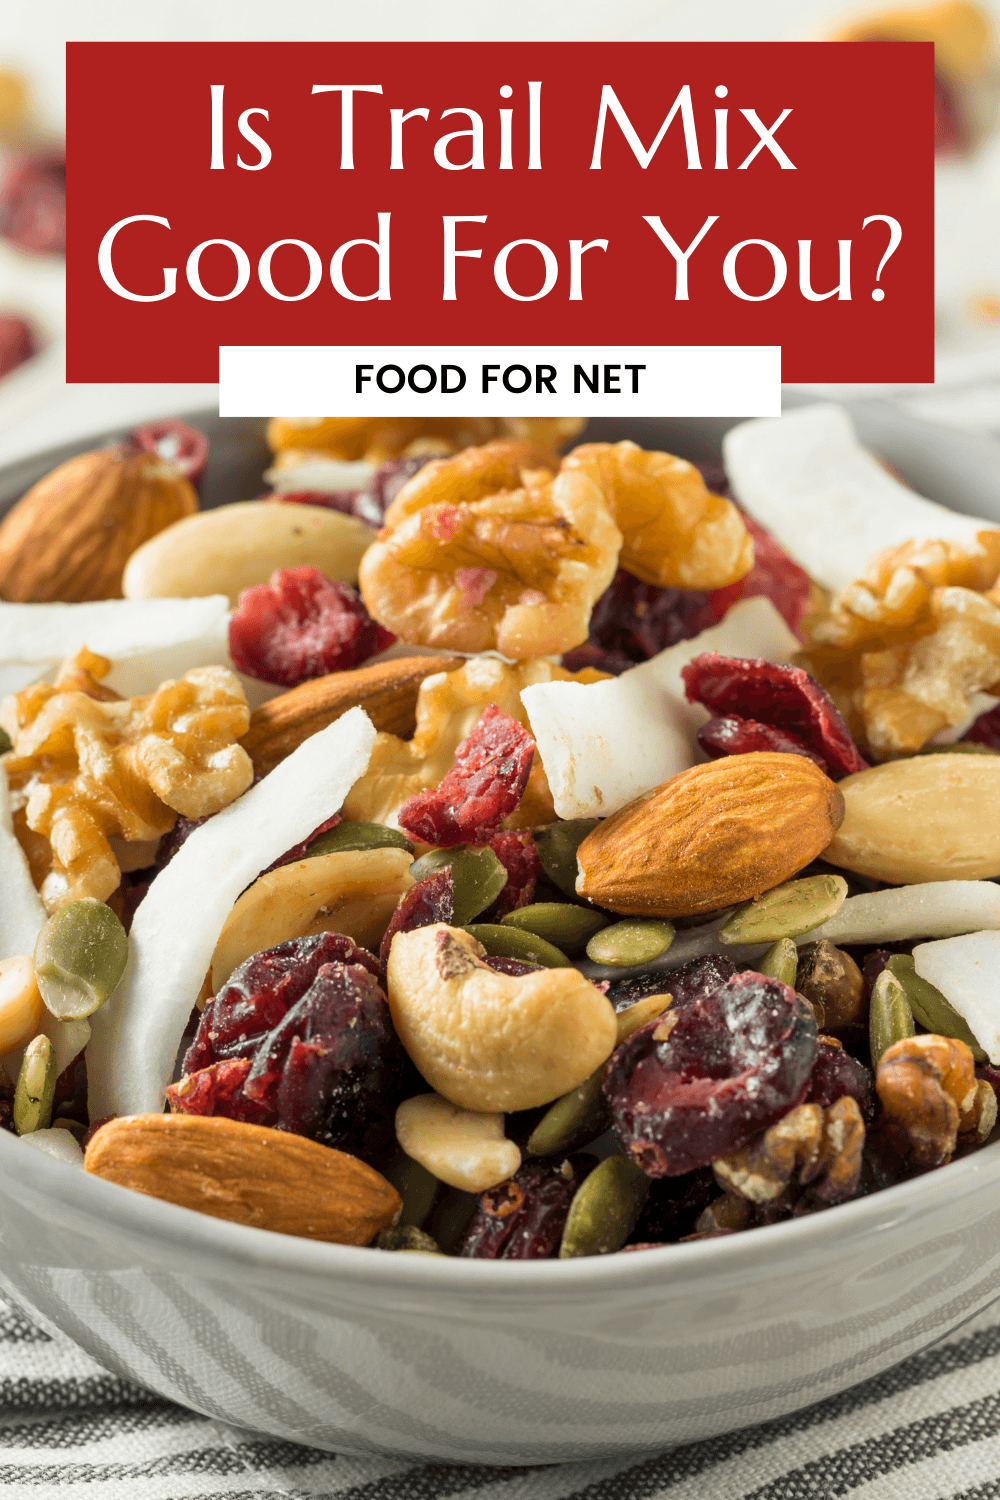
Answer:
(464, 1149)
(929, 1006)
(477, 877)
(714, 835)
(605, 1209)
(890, 1018)
(632, 620)
(87, 766)
(702, 1080)
(71, 535)
(488, 1041)
(299, 625)
(80, 956)
(628, 944)
(20, 1005)
(17, 342)
(810, 1147)
(483, 788)
(787, 911)
(36, 1087)
(246, 1173)
(489, 550)
(927, 1086)
(175, 441)
(911, 821)
(523, 1218)
(836, 1075)
(33, 203)
(829, 977)
(430, 900)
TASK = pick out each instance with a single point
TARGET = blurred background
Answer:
(37, 408)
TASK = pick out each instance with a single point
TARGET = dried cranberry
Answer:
(33, 204)
(699, 1082)
(770, 693)
(182, 445)
(6, 1102)
(298, 851)
(872, 966)
(773, 576)
(673, 1206)
(514, 967)
(483, 787)
(519, 857)
(991, 1075)
(430, 900)
(302, 625)
(17, 342)
(836, 1073)
(591, 655)
(371, 501)
(523, 1218)
(635, 620)
(94, 1127)
(734, 736)
(218, 1090)
(698, 978)
(986, 729)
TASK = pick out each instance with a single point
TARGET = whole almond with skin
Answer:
(714, 835)
(387, 691)
(249, 1174)
(69, 538)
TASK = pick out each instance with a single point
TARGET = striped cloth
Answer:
(927, 1430)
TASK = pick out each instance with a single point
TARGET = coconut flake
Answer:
(604, 743)
(826, 499)
(147, 641)
(57, 1143)
(965, 971)
(131, 1057)
(324, 476)
(22, 914)
(937, 909)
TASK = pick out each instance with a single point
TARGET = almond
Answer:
(70, 536)
(386, 691)
(248, 1174)
(712, 836)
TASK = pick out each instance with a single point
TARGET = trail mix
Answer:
(655, 901)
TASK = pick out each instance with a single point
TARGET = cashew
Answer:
(354, 892)
(462, 1148)
(232, 548)
(488, 1041)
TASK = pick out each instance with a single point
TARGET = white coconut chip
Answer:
(604, 743)
(57, 1143)
(826, 499)
(22, 914)
(329, 476)
(131, 1057)
(937, 909)
(147, 640)
(965, 970)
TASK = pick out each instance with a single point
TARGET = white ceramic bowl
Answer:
(530, 1362)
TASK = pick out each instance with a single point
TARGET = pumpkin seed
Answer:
(80, 956)
(477, 876)
(623, 945)
(416, 1186)
(451, 1217)
(890, 1018)
(788, 911)
(569, 927)
(512, 942)
(36, 1087)
(557, 845)
(781, 962)
(605, 1208)
(930, 1007)
(347, 836)
(578, 1117)
(407, 1237)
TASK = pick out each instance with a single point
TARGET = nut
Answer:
(269, 1179)
(464, 1149)
(928, 1088)
(354, 892)
(714, 835)
(230, 549)
(810, 1146)
(911, 821)
(71, 535)
(829, 977)
(488, 1041)
(978, 1122)
(20, 1004)
(386, 691)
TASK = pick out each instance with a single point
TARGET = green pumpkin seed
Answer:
(407, 1237)
(512, 942)
(569, 927)
(787, 911)
(36, 1087)
(624, 945)
(6, 743)
(963, 747)
(578, 1117)
(416, 1186)
(349, 836)
(930, 1007)
(557, 845)
(477, 876)
(890, 1018)
(605, 1209)
(781, 962)
(80, 956)
(451, 1217)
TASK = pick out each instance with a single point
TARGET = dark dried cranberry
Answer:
(17, 342)
(673, 1206)
(483, 787)
(218, 1090)
(371, 502)
(773, 576)
(519, 857)
(872, 966)
(734, 736)
(700, 1081)
(33, 203)
(298, 851)
(301, 625)
(695, 980)
(991, 1075)
(6, 1101)
(430, 900)
(986, 730)
(769, 693)
(94, 1127)
(515, 967)
(836, 1074)
(635, 620)
(523, 1218)
(590, 655)
(182, 445)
